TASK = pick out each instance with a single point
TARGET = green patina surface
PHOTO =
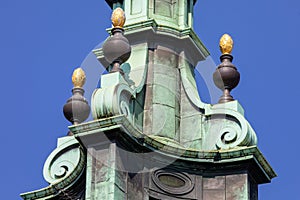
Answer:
(165, 145)
(172, 119)
(238, 186)
(67, 156)
(155, 107)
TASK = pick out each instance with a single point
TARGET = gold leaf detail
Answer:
(118, 18)
(226, 44)
(78, 78)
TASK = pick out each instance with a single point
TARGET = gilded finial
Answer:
(226, 44)
(78, 78)
(118, 18)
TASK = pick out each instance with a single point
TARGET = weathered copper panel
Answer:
(214, 183)
(237, 187)
(214, 195)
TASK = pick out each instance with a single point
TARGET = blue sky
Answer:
(41, 42)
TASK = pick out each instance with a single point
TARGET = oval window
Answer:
(171, 181)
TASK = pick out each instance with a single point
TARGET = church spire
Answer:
(151, 136)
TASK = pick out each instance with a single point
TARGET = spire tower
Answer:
(151, 136)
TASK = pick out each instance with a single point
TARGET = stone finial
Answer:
(226, 44)
(77, 109)
(116, 48)
(226, 77)
(118, 18)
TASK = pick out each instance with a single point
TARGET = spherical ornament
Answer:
(77, 109)
(226, 75)
(116, 48)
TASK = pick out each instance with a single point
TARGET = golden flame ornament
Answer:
(118, 18)
(78, 78)
(226, 44)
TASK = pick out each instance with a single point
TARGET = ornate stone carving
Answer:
(221, 126)
(113, 100)
(64, 170)
(63, 161)
(228, 129)
(224, 126)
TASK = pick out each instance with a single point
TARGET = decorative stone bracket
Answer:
(227, 128)
(223, 127)
(64, 160)
(214, 127)
(64, 170)
(114, 98)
